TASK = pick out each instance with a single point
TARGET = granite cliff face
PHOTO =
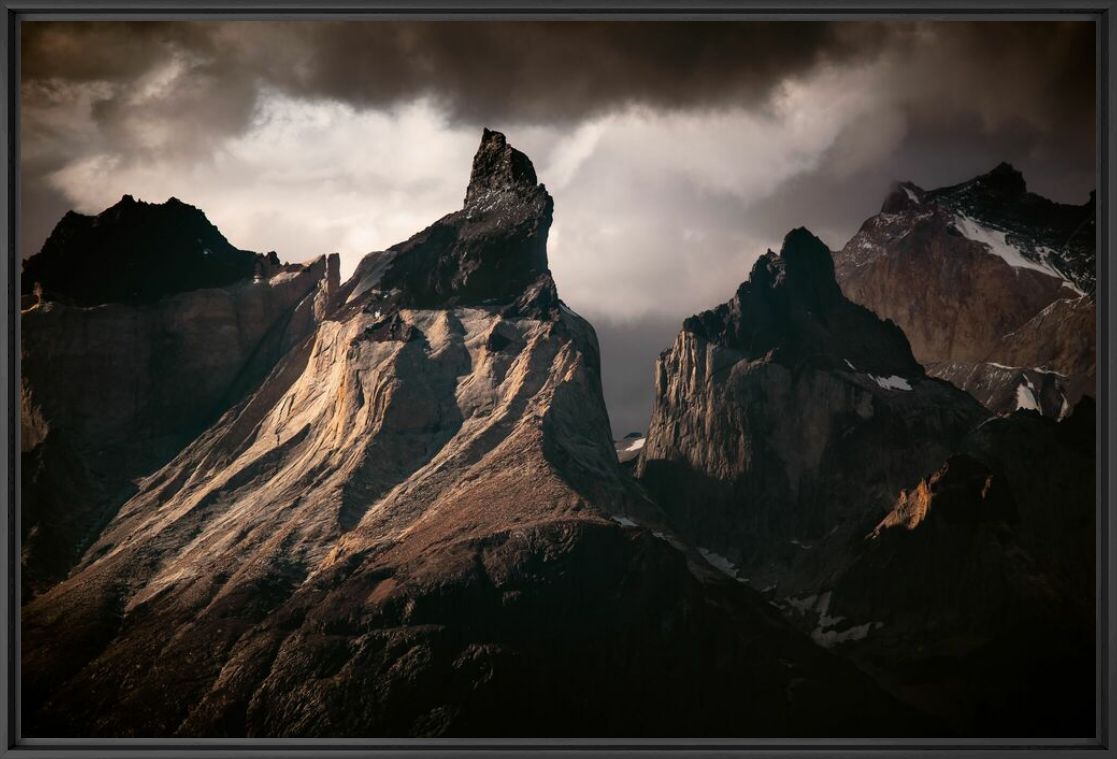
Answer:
(993, 286)
(415, 524)
(946, 551)
(787, 419)
(110, 392)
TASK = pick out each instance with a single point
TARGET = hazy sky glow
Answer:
(676, 152)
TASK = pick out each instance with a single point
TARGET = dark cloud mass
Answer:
(1035, 73)
(504, 71)
(676, 151)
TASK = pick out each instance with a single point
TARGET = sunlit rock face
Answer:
(144, 327)
(974, 595)
(416, 524)
(790, 417)
(993, 286)
(886, 512)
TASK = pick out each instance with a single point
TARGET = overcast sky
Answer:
(676, 152)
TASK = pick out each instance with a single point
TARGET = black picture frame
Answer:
(1101, 12)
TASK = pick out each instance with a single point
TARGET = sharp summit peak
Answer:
(1006, 177)
(497, 168)
(802, 256)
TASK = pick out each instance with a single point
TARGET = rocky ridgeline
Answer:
(790, 417)
(144, 327)
(136, 252)
(391, 506)
(992, 285)
(885, 511)
(415, 524)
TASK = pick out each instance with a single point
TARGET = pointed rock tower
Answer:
(416, 525)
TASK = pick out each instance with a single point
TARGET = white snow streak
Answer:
(998, 245)
(720, 563)
(1025, 396)
(635, 445)
(892, 383)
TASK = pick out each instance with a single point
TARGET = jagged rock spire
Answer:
(491, 251)
(792, 309)
(498, 167)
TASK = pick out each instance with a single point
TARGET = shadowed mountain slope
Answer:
(416, 525)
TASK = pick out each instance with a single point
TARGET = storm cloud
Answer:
(677, 152)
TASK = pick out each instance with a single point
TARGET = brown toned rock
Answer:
(786, 421)
(974, 597)
(421, 533)
(111, 393)
(980, 276)
(782, 446)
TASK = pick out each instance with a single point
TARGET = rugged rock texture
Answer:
(488, 252)
(1055, 236)
(136, 252)
(1004, 388)
(416, 525)
(111, 393)
(977, 275)
(974, 597)
(787, 419)
(947, 552)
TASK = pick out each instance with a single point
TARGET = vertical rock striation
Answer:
(947, 552)
(416, 525)
(787, 419)
(120, 370)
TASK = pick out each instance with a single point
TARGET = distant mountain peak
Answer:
(1054, 237)
(986, 279)
(901, 197)
(1005, 178)
(135, 252)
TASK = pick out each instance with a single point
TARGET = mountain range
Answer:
(993, 285)
(278, 504)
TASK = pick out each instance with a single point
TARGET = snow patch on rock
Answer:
(720, 563)
(892, 383)
(1026, 396)
(636, 444)
(998, 245)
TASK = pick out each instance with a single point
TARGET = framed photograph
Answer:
(407, 379)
